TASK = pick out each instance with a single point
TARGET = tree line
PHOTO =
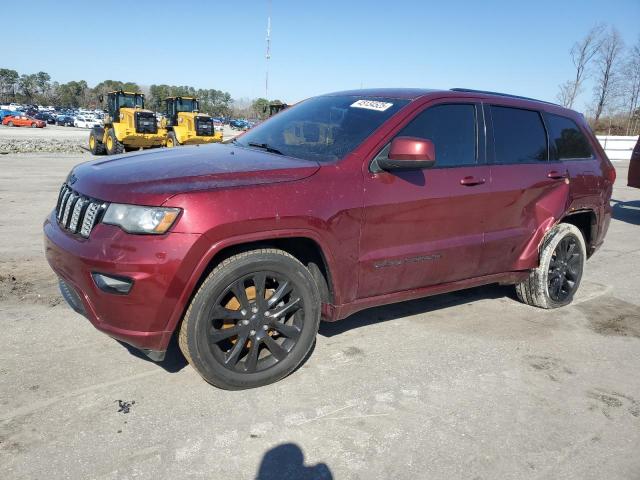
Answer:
(37, 88)
(602, 57)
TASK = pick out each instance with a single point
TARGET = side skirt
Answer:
(332, 313)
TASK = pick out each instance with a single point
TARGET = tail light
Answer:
(611, 173)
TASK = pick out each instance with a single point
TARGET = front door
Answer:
(425, 227)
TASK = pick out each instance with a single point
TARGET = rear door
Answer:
(424, 227)
(529, 192)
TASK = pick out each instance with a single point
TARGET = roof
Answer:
(415, 93)
(181, 96)
(401, 93)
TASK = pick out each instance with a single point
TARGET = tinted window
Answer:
(519, 135)
(451, 128)
(567, 138)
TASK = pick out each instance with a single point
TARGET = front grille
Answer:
(146, 122)
(78, 213)
(204, 126)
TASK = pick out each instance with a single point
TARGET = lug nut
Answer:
(266, 314)
(254, 309)
(252, 332)
(245, 322)
(265, 327)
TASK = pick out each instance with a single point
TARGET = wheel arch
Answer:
(304, 246)
(587, 222)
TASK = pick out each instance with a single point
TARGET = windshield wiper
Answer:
(265, 146)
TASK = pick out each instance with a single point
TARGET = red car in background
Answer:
(633, 179)
(23, 121)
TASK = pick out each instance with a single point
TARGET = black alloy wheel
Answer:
(564, 269)
(256, 322)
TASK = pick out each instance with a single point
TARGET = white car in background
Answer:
(84, 122)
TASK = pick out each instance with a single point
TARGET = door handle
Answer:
(471, 181)
(554, 174)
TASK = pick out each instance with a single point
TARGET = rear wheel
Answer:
(557, 278)
(34, 125)
(172, 141)
(114, 146)
(253, 321)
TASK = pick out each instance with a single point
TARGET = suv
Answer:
(342, 202)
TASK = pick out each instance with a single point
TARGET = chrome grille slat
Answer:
(76, 212)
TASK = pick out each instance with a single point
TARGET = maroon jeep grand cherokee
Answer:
(342, 202)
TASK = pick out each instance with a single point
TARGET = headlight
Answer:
(136, 219)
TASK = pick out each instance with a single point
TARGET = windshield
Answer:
(131, 101)
(322, 128)
(186, 105)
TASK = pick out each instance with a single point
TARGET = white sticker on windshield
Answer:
(372, 105)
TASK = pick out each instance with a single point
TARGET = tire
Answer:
(34, 125)
(114, 146)
(10, 123)
(258, 348)
(172, 141)
(557, 278)
(95, 145)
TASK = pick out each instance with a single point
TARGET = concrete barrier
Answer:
(617, 147)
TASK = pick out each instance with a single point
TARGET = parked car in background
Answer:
(84, 122)
(46, 117)
(65, 121)
(633, 178)
(5, 112)
(339, 203)
(23, 121)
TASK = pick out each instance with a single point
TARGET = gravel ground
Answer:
(54, 139)
(469, 385)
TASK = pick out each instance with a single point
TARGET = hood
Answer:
(152, 177)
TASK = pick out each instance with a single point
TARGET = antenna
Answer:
(268, 53)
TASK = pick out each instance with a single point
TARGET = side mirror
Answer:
(409, 153)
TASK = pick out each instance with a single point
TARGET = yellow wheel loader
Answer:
(127, 126)
(185, 125)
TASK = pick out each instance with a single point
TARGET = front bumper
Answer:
(158, 265)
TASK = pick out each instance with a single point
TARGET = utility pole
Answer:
(268, 54)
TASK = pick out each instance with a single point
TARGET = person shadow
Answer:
(286, 462)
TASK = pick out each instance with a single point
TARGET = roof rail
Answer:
(469, 90)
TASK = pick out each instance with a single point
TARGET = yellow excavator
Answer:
(185, 125)
(127, 126)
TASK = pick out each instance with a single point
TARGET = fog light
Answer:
(109, 284)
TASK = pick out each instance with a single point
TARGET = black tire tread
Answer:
(533, 290)
(226, 264)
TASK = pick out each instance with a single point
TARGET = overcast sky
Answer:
(317, 47)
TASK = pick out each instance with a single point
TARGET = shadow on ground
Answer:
(414, 307)
(628, 212)
(173, 361)
(286, 462)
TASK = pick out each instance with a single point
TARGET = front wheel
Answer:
(253, 321)
(172, 141)
(114, 146)
(557, 278)
(34, 125)
(10, 123)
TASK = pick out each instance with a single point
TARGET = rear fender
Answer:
(548, 211)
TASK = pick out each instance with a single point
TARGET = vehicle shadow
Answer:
(173, 362)
(286, 462)
(414, 307)
(628, 212)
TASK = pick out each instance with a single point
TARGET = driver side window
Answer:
(453, 131)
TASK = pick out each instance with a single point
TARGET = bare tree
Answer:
(607, 61)
(631, 89)
(581, 53)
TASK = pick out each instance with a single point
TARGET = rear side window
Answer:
(452, 129)
(566, 137)
(519, 135)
